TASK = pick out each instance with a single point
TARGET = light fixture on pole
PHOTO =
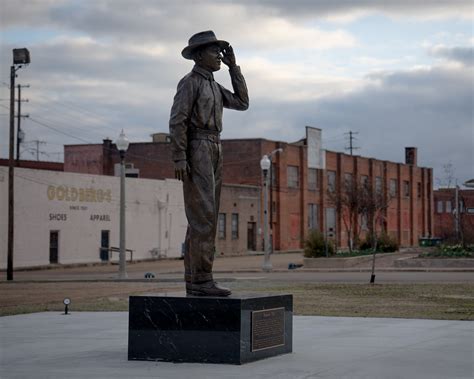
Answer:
(265, 166)
(122, 146)
(20, 57)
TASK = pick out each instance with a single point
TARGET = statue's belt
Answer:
(203, 134)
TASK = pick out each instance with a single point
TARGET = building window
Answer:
(54, 246)
(235, 226)
(418, 190)
(312, 179)
(364, 180)
(406, 188)
(221, 228)
(439, 206)
(313, 216)
(363, 222)
(378, 184)
(331, 181)
(348, 179)
(448, 206)
(393, 187)
(293, 177)
(330, 222)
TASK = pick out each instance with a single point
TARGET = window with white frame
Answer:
(312, 216)
(235, 226)
(393, 187)
(331, 175)
(221, 226)
(293, 177)
(378, 184)
(312, 179)
(439, 206)
(449, 208)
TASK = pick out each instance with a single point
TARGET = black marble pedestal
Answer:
(236, 329)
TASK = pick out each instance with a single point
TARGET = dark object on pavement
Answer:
(293, 266)
(150, 275)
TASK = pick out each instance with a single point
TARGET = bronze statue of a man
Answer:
(195, 126)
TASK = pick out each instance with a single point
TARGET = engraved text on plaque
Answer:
(268, 328)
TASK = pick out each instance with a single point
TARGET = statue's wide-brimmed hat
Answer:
(202, 39)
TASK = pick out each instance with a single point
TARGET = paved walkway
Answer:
(94, 345)
(223, 266)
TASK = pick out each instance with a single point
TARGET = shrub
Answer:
(450, 251)
(315, 245)
(385, 244)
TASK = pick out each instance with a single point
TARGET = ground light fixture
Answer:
(66, 303)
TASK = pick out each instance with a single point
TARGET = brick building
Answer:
(445, 213)
(239, 218)
(301, 175)
(37, 165)
(299, 199)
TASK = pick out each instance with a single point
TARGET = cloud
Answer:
(347, 11)
(117, 63)
(430, 108)
(463, 55)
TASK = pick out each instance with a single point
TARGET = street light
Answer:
(20, 57)
(122, 146)
(265, 166)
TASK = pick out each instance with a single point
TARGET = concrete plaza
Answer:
(94, 345)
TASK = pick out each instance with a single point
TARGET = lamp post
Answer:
(122, 146)
(265, 165)
(20, 57)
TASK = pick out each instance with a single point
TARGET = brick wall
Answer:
(85, 159)
(444, 217)
(409, 215)
(38, 165)
(244, 201)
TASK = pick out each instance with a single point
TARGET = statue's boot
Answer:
(209, 288)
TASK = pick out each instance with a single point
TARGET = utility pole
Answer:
(19, 133)
(21, 57)
(11, 176)
(351, 147)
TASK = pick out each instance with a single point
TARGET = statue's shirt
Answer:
(198, 104)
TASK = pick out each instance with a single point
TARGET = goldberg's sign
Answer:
(91, 195)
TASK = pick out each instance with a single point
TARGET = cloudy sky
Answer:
(399, 73)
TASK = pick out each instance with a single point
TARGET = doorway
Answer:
(53, 246)
(104, 245)
(251, 236)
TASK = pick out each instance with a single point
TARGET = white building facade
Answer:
(69, 218)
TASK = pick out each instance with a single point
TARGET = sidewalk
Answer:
(250, 264)
(94, 345)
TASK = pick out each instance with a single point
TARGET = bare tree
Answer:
(374, 204)
(349, 205)
(449, 177)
